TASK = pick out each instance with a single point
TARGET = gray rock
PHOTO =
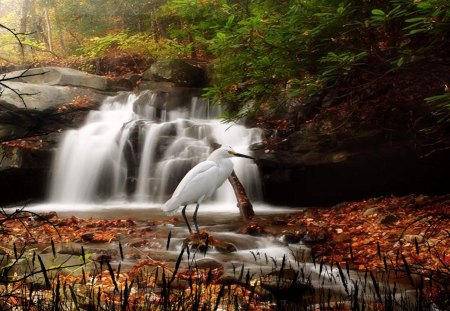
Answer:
(177, 71)
(59, 76)
(388, 219)
(43, 96)
(371, 211)
(208, 263)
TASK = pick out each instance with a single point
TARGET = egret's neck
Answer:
(219, 158)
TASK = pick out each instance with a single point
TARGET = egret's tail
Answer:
(171, 206)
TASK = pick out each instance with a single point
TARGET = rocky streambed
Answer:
(276, 248)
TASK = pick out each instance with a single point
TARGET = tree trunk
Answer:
(24, 16)
(49, 30)
(243, 202)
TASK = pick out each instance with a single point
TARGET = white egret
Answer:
(201, 182)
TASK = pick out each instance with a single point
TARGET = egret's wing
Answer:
(197, 182)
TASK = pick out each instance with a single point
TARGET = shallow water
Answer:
(260, 254)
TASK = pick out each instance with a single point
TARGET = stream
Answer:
(128, 158)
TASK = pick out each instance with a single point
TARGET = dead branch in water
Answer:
(243, 202)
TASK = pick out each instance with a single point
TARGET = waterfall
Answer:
(137, 148)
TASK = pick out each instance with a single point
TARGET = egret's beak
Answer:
(243, 156)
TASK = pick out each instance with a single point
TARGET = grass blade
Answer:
(168, 240)
(121, 251)
(113, 278)
(44, 272)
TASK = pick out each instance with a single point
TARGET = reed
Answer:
(286, 285)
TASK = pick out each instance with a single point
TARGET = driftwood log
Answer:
(243, 202)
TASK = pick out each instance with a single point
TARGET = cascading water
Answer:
(138, 147)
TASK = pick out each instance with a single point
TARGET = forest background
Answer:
(264, 55)
(367, 76)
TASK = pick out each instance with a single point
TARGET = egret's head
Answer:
(228, 152)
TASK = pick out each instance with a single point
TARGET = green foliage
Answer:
(441, 105)
(268, 51)
(264, 53)
(338, 65)
(140, 44)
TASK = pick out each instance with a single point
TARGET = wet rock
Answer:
(208, 263)
(388, 219)
(88, 236)
(413, 237)
(315, 235)
(224, 247)
(371, 211)
(290, 238)
(138, 243)
(253, 229)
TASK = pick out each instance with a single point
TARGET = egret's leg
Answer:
(183, 212)
(195, 218)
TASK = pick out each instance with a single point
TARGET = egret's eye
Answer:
(231, 152)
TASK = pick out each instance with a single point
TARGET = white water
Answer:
(135, 150)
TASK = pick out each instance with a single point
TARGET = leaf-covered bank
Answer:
(106, 264)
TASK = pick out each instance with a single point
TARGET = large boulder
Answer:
(180, 72)
(59, 76)
(43, 96)
(36, 105)
(42, 88)
(318, 166)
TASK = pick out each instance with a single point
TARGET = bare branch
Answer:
(16, 35)
(22, 75)
(15, 92)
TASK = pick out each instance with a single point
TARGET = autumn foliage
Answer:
(402, 236)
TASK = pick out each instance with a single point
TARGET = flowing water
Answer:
(132, 150)
(128, 157)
